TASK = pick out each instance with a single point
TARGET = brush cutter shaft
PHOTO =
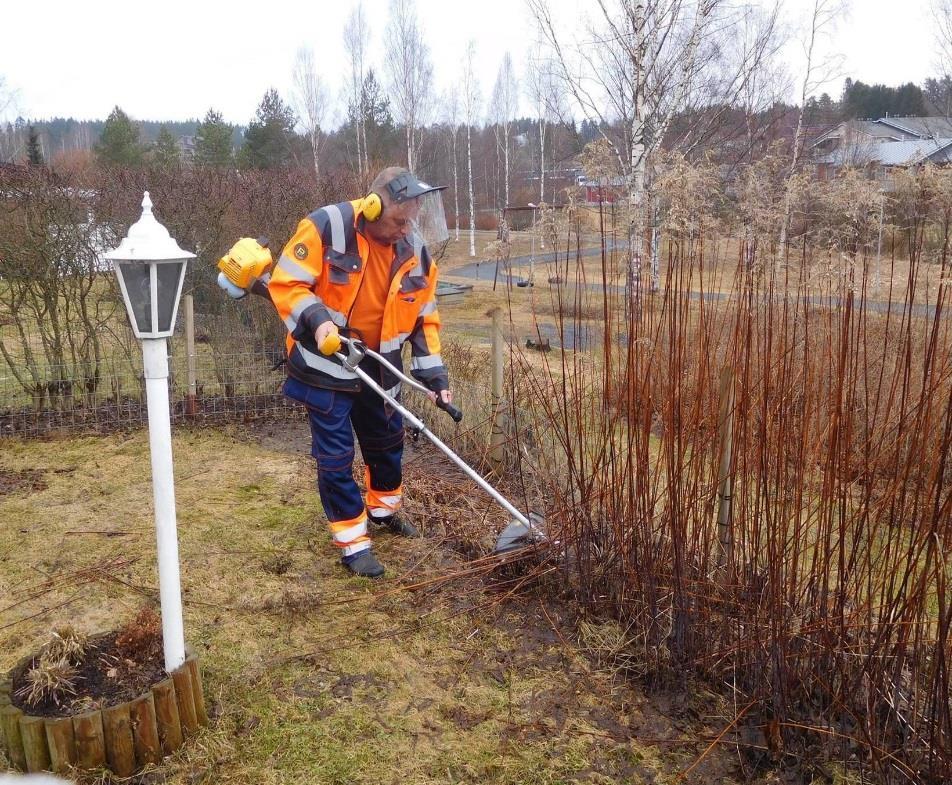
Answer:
(356, 352)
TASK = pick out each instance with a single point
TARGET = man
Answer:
(362, 267)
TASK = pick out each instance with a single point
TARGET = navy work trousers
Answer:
(335, 417)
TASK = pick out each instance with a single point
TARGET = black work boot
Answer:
(398, 524)
(363, 564)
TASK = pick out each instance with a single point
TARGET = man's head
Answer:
(402, 195)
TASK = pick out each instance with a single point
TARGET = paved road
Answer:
(586, 335)
(486, 271)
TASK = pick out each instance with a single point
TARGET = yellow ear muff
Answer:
(372, 207)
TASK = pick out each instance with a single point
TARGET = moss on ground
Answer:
(451, 684)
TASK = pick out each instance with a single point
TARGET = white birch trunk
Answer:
(637, 154)
(542, 175)
(455, 184)
(472, 203)
(317, 161)
(506, 164)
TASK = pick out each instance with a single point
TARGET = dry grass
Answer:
(311, 676)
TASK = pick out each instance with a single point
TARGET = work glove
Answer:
(445, 395)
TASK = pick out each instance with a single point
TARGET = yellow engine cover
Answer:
(246, 260)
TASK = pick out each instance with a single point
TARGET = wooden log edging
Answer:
(123, 738)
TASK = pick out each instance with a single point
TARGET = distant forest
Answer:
(62, 134)
(507, 156)
(857, 100)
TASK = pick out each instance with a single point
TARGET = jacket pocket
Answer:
(406, 308)
(340, 266)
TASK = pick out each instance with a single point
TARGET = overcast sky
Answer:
(172, 60)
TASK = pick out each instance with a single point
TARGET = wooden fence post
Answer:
(191, 397)
(725, 429)
(497, 436)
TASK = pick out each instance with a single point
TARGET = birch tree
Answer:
(942, 37)
(630, 72)
(758, 43)
(471, 102)
(818, 70)
(311, 101)
(504, 106)
(543, 92)
(410, 71)
(451, 112)
(356, 36)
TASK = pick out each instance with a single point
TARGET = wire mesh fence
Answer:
(231, 375)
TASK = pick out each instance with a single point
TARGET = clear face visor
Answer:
(429, 223)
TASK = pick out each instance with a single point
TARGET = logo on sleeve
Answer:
(300, 252)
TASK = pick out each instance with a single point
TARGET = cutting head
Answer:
(518, 535)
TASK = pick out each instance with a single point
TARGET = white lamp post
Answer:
(151, 267)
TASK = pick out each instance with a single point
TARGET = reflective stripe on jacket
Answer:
(317, 279)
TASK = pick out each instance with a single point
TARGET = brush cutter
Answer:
(522, 530)
(246, 268)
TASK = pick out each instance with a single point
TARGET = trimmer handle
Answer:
(330, 344)
(451, 410)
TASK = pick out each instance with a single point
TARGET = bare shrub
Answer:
(49, 680)
(828, 607)
(53, 675)
(141, 638)
(66, 644)
(52, 286)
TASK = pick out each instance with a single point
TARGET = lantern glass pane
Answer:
(136, 279)
(168, 283)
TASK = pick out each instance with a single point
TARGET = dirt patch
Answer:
(23, 481)
(102, 671)
(292, 435)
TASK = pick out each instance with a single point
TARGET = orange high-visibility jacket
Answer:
(317, 279)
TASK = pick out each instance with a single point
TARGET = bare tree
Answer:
(356, 37)
(942, 31)
(410, 69)
(633, 71)
(7, 97)
(542, 88)
(817, 72)
(504, 106)
(471, 102)
(451, 111)
(311, 101)
(756, 48)
(12, 137)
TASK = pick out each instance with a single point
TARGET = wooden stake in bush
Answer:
(191, 397)
(725, 535)
(497, 438)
